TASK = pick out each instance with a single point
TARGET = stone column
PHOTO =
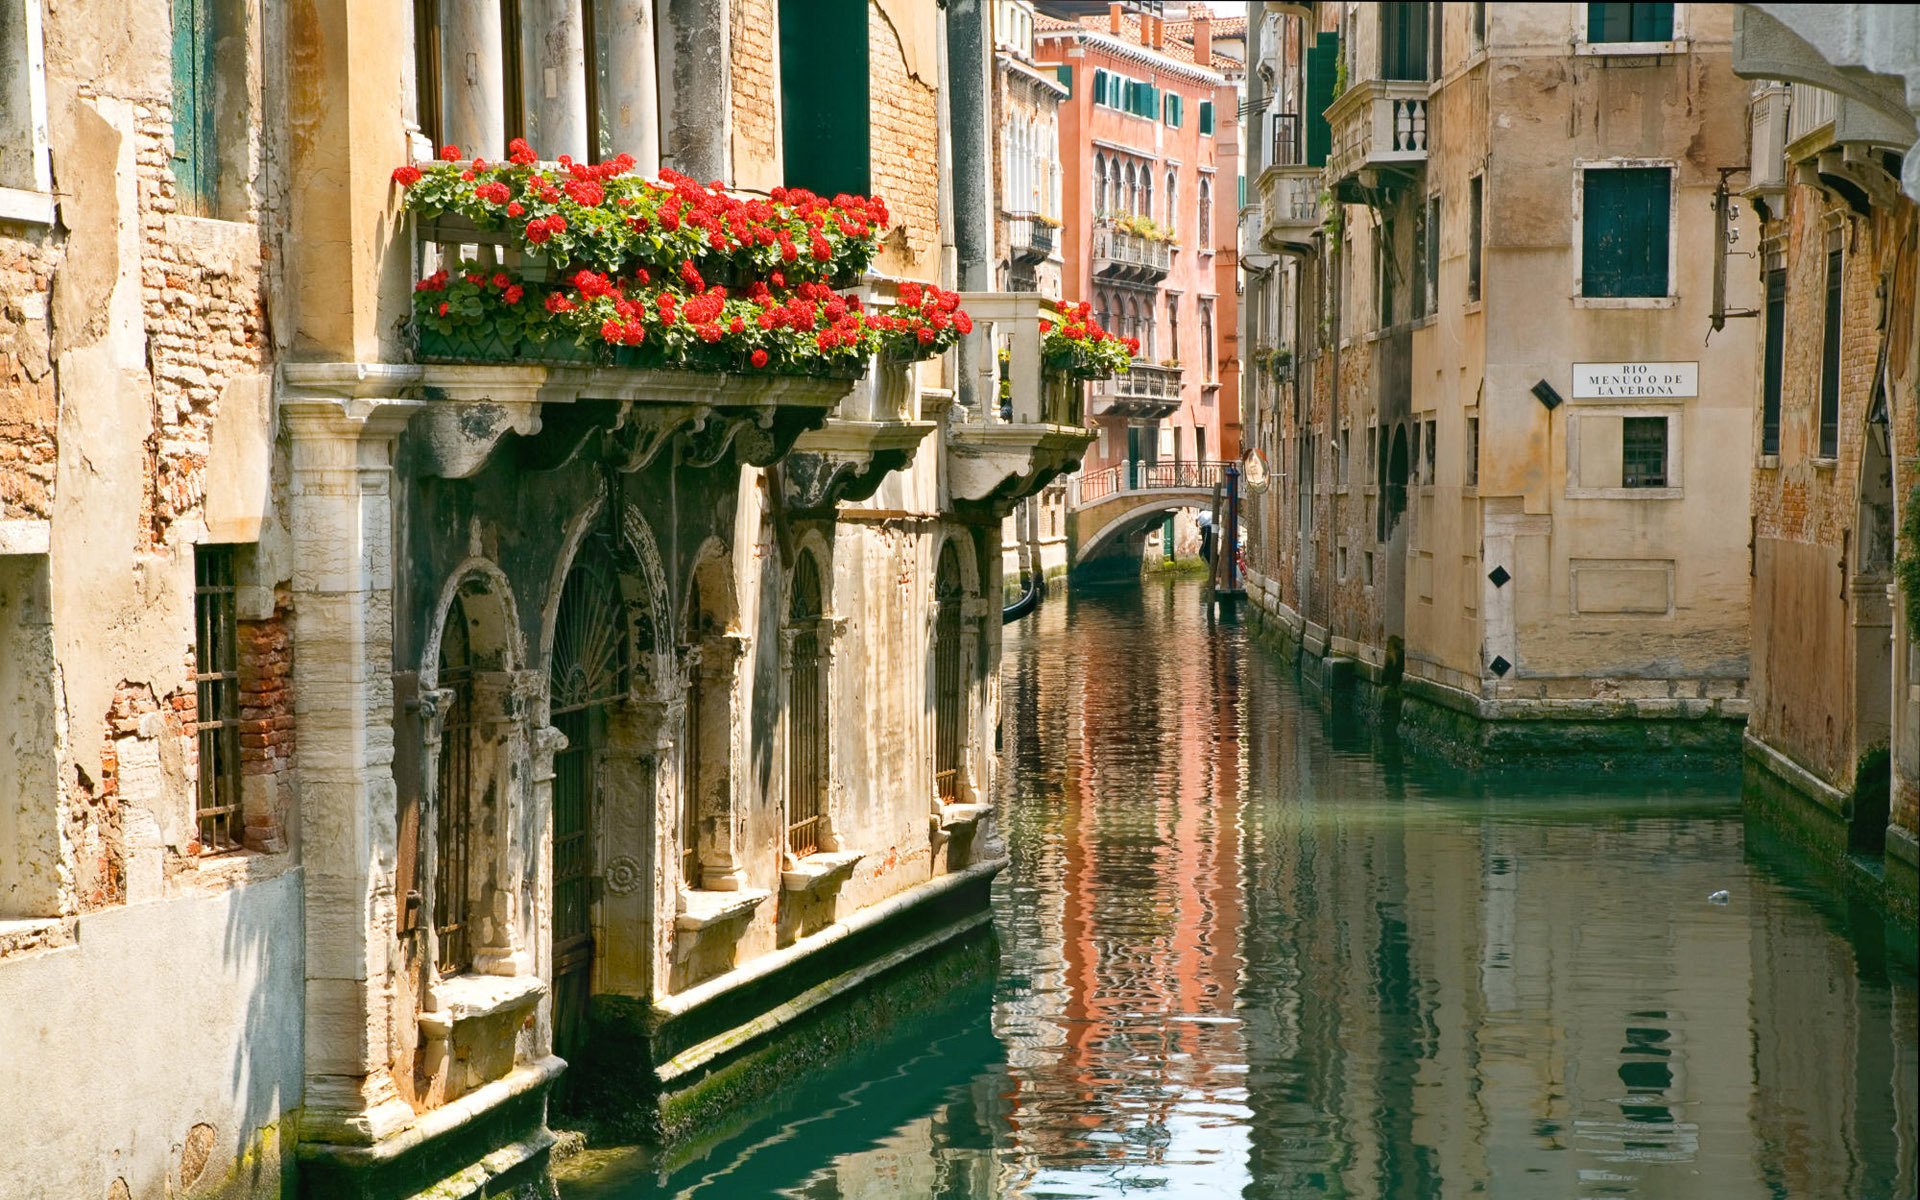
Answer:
(717, 660)
(511, 838)
(341, 509)
(555, 84)
(472, 71)
(630, 99)
(639, 734)
(696, 87)
(966, 97)
(973, 778)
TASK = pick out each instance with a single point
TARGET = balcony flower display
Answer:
(670, 273)
(1143, 227)
(1080, 349)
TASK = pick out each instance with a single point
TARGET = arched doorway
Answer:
(949, 674)
(806, 713)
(587, 677)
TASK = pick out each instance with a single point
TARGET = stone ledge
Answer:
(818, 872)
(953, 816)
(700, 909)
(471, 997)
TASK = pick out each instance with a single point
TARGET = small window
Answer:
(216, 677)
(1774, 368)
(1479, 25)
(1430, 258)
(1173, 114)
(1064, 73)
(1206, 117)
(1427, 473)
(23, 104)
(1625, 214)
(1643, 452)
(1419, 458)
(1404, 40)
(824, 92)
(1475, 205)
(1206, 215)
(1629, 22)
(1346, 451)
(1830, 353)
(1473, 452)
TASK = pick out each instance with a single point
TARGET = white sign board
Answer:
(1635, 380)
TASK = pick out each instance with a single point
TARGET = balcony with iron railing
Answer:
(1378, 126)
(1146, 391)
(1030, 237)
(1128, 257)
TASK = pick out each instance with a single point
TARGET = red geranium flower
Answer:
(450, 153)
(406, 176)
(758, 358)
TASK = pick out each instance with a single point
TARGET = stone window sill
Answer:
(1625, 301)
(701, 909)
(462, 998)
(953, 816)
(820, 872)
(19, 206)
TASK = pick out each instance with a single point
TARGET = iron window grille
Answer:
(216, 677)
(1643, 452)
(806, 714)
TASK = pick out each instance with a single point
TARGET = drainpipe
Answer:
(967, 117)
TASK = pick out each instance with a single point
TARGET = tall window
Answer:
(1173, 325)
(1473, 451)
(1830, 353)
(1629, 22)
(1774, 368)
(1173, 200)
(806, 713)
(23, 118)
(1146, 192)
(1206, 215)
(1475, 203)
(1625, 215)
(1206, 340)
(216, 676)
(1427, 295)
(194, 94)
(1643, 452)
(1403, 40)
(1100, 206)
(453, 800)
(949, 675)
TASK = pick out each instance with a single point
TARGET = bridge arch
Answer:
(1139, 516)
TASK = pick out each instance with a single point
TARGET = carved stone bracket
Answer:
(642, 431)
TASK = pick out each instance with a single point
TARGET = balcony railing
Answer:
(1145, 477)
(1378, 123)
(1029, 237)
(1290, 207)
(1128, 257)
(1809, 109)
(1147, 390)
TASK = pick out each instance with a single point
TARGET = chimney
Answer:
(1203, 37)
(1113, 16)
(1159, 33)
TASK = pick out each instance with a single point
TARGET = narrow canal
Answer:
(1247, 951)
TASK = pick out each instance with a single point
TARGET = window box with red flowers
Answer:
(589, 263)
(1078, 348)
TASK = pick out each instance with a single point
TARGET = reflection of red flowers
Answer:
(758, 358)
(406, 176)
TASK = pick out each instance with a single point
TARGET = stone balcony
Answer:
(1128, 257)
(1379, 131)
(1147, 391)
(1290, 211)
(1030, 237)
(997, 454)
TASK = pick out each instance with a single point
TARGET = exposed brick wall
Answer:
(906, 135)
(205, 326)
(28, 404)
(266, 726)
(756, 91)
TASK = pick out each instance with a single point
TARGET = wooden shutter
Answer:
(1775, 362)
(1629, 22)
(824, 96)
(1624, 217)
(193, 99)
(1206, 116)
(1323, 59)
(1064, 73)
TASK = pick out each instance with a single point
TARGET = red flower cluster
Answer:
(1080, 347)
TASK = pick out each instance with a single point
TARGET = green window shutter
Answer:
(1243, 191)
(1099, 87)
(1064, 73)
(1323, 58)
(1206, 117)
(193, 95)
(1624, 219)
(1153, 102)
(824, 96)
(1629, 22)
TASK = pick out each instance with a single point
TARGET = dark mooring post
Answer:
(1232, 538)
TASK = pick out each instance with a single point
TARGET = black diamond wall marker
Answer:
(1500, 665)
(1544, 393)
(1499, 576)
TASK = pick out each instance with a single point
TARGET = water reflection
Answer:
(1246, 953)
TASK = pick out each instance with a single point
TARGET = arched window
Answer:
(1146, 192)
(1173, 200)
(1129, 194)
(949, 675)
(587, 678)
(453, 799)
(1100, 206)
(1206, 216)
(806, 713)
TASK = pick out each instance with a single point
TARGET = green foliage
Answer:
(1906, 563)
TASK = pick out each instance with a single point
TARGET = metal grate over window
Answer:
(807, 714)
(216, 677)
(1643, 452)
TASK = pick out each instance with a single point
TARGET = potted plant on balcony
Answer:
(598, 265)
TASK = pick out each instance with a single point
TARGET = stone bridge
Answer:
(1107, 508)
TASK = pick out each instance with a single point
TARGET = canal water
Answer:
(1248, 950)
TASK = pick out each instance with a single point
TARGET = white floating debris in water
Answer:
(1720, 897)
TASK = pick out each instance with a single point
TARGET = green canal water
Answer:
(1247, 949)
